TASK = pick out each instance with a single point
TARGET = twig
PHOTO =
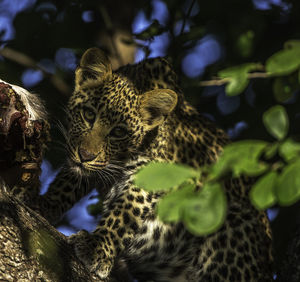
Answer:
(215, 82)
(219, 82)
(186, 17)
(28, 62)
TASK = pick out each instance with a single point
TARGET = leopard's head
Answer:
(110, 120)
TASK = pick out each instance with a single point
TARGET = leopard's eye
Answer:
(89, 114)
(118, 132)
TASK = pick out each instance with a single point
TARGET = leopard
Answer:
(118, 122)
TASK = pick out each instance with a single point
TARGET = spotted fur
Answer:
(118, 122)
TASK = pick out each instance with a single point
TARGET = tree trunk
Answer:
(30, 248)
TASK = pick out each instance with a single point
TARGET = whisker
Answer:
(110, 177)
(101, 182)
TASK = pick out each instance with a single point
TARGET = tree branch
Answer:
(219, 82)
(187, 16)
(110, 31)
(28, 62)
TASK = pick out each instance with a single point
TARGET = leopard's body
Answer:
(121, 120)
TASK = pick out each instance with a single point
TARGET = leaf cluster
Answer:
(282, 63)
(201, 211)
(196, 197)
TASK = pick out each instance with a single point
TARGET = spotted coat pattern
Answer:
(118, 122)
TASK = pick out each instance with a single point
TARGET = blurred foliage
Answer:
(237, 77)
(170, 175)
(202, 211)
(278, 179)
(249, 37)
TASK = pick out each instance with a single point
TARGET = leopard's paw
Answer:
(90, 252)
(82, 243)
(80, 237)
(102, 269)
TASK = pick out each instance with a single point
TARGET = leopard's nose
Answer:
(85, 155)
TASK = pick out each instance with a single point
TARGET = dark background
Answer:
(41, 42)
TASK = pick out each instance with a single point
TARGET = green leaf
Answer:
(163, 176)
(276, 121)
(237, 84)
(238, 77)
(284, 62)
(241, 158)
(245, 43)
(271, 150)
(262, 193)
(289, 150)
(169, 208)
(205, 212)
(292, 44)
(95, 209)
(284, 88)
(288, 184)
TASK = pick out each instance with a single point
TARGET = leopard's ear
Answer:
(156, 105)
(94, 67)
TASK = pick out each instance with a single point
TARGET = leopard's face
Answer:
(106, 125)
(109, 120)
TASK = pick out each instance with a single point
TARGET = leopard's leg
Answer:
(63, 193)
(119, 225)
(96, 251)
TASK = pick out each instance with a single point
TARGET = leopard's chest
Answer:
(163, 252)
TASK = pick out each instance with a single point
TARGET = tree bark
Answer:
(30, 248)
